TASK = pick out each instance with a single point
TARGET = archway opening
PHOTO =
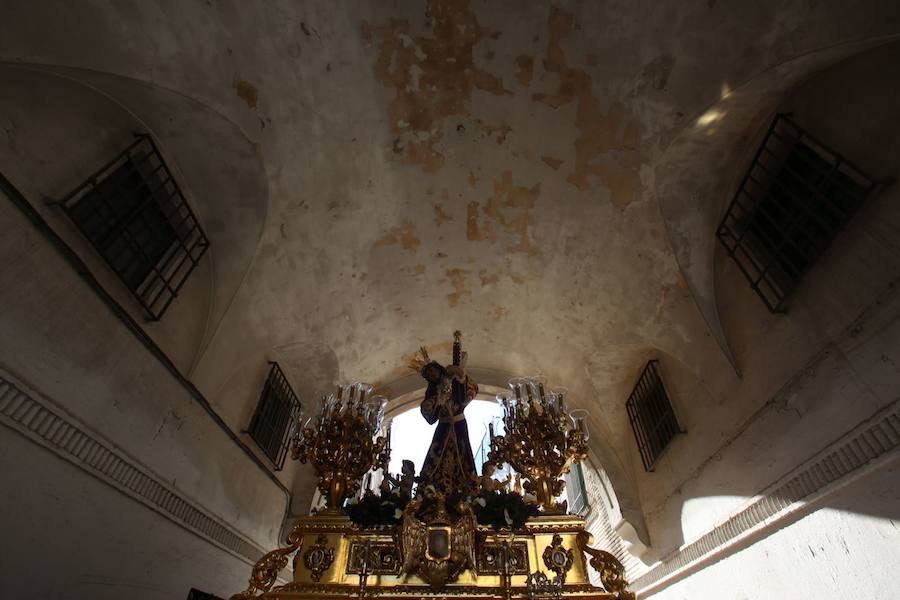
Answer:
(411, 435)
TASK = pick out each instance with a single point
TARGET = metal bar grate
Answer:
(651, 416)
(275, 415)
(134, 215)
(791, 204)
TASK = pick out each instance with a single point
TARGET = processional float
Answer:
(457, 535)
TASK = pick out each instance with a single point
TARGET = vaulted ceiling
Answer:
(543, 176)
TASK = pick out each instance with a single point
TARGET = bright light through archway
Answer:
(411, 435)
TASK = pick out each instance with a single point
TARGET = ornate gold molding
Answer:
(490, 554)
(318, 557)
(558, 558)
(292, 591)
(612, 573)
(265, 571)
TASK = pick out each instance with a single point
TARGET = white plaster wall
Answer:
(848, 548)
(61, 342)
(66, 535)
(57, 133)
(811, 374)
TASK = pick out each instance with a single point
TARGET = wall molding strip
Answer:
(865, 448)
(48, 426)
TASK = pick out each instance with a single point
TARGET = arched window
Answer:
(411, 435)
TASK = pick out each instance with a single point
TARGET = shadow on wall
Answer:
(849, 536)
(690, 187)
(62, 124)
(311, 370)
(830, 363)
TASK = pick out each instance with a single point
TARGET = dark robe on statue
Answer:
(449, 465)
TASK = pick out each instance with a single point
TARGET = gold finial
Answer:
(457, 335)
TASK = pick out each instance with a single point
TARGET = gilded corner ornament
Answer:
(265, 571)
(318, 557)
(558, 558)
(612, 573)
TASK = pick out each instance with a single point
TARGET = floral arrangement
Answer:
(502, 509)
(373, 511)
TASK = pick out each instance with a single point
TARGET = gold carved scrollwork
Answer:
(612, 573)
(383, 558)
(266, 569)
(318, 557)
(557, 558)
(491, 556)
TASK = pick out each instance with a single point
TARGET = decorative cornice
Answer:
(867, 446)
(47, 425)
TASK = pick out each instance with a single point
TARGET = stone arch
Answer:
(406, 393)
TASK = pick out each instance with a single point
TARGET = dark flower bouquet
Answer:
(502, 509)
(374, 511)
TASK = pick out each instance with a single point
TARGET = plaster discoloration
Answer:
(440, 216)
(655, 74)
(498, 132)
(604, 135)
(487, 278)
(404, 236)
(553, 163)
(509, 210)
(473, 231)
(524, 69)
(433, 77)
(246, 91)
(457, 278)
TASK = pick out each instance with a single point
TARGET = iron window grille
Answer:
(791, 204)
(276, 413)
(651, 416)
(575, 490)
(133, 213)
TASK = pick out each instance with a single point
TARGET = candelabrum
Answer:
(541, 438)
(342, 444)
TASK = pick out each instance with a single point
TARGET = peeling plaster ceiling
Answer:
(452, 164)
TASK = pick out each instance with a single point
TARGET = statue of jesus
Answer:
(449, 465)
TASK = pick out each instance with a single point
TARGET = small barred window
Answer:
(651, 416)
(133, 213)
(793, 201)
(275, 415)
